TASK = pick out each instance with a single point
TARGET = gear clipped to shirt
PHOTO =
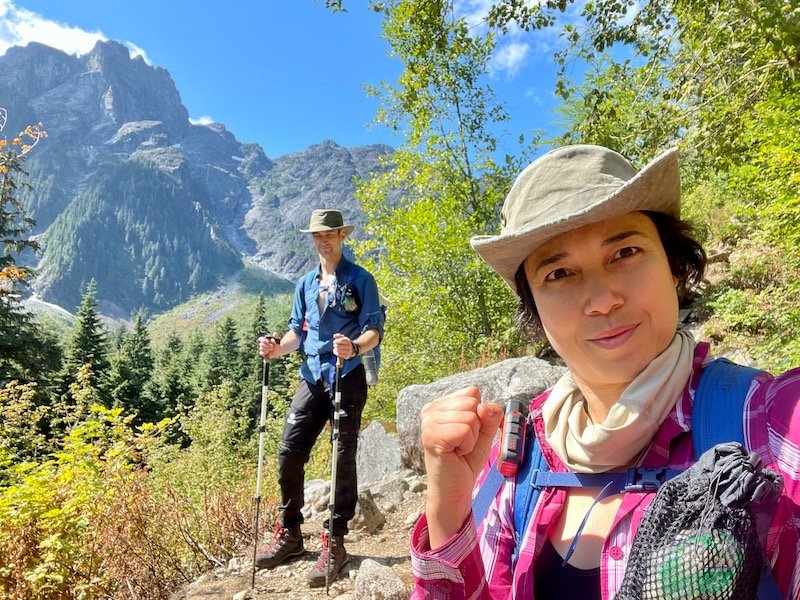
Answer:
(349, 302)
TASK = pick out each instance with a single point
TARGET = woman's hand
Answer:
(457, 433)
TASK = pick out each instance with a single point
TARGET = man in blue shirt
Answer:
(336, 313)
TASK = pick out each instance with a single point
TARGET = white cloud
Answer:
(511, 52)
(533, 95)
(204, 120)
(474, 11)
(137, 51)
(19, 26)
(509, 58)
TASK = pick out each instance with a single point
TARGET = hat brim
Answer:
(655, 188)
(346, 228)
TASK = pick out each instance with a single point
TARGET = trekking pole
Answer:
(337, 403)
(262, 426)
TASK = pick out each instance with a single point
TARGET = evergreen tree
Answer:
(171, 381)
(25, 353)
(87, 345)
(260, 324)
(253, 361)
(281, 371)
(224, 358)
(194, 355)
(131, 375)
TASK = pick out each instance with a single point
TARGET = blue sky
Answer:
(285, 74)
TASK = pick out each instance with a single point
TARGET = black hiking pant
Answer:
(311, 408)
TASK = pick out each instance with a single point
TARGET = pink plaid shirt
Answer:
(476, 563)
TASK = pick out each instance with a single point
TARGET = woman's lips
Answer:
(613, 338)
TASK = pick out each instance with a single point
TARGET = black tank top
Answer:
(557, 581)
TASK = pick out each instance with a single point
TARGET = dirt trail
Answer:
(389, 547)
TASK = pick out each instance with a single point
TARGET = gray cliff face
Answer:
(35, 69)
(105, 109)
(321, 176)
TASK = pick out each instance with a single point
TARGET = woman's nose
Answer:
(602, 295)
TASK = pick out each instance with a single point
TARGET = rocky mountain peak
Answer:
(33, 69)
(132, 90)
(107, 56)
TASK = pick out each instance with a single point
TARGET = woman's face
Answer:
(606, 297)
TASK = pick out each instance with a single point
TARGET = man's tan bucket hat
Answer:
(570, 187)
(326, 219)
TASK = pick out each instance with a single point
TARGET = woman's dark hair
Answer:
(687, 261)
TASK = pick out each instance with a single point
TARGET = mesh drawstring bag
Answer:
(701, 537)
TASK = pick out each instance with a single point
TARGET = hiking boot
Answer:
(286, 544)
(339, 557)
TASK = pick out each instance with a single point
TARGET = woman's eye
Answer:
(556, 274)
(626, 252)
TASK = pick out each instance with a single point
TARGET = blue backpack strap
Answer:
(527, 491)
(718, 417)
(490, 487)
(525, 495)
(486, 494)
(718, 410)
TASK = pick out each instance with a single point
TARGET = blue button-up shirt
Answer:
(352, 307)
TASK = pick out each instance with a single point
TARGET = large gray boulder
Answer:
(378, 582)
(378, 454)
(515, 378)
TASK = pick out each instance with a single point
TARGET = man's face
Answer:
(329, 243)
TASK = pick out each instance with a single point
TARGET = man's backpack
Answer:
(717, 416)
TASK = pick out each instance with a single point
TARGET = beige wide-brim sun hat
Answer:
(570, 187)
(326, 219)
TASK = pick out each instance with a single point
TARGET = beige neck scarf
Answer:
(587, 447)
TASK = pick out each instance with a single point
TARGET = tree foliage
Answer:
(87, 522)
(444, 187)
(24, 351)
(131, 376)
(24, 423)
(690, 69)
(87, 345)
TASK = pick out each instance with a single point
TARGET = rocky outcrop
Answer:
(379, 454)
(515, 378)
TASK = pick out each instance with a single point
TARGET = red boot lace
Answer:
(322, 560)
(278, 535)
